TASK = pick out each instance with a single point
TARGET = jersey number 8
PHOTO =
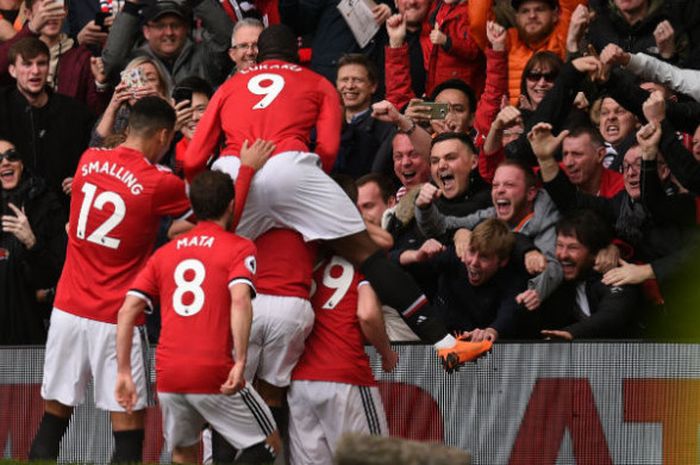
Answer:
(191, 286)
(274, 83)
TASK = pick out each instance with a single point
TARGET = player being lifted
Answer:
(281, 102)
(204, 282)
(118, 199)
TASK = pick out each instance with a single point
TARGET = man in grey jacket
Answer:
(526, 209)
(167, 30)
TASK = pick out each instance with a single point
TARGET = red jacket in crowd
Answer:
(462, 59)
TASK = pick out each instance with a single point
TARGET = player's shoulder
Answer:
(238, 243)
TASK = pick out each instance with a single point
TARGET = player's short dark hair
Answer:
(493, 237)
(347, 184)
(386, 186)
(197, 84)
(211, 193)
(27, 48)
(456, 84)
(278, 41)
(361, 60)
(151, 114)
(530, 177)
(588, 227)
(464, 138)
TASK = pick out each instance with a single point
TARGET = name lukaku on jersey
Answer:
(115, 170)
(271, 67)
(196, 241)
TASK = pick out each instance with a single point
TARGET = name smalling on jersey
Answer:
(113, 169)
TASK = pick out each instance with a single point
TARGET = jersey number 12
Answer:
(100, 235)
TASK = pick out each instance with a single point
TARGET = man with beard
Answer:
(539, 25)
(526, 209)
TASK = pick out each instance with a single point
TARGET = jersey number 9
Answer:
(274, 83)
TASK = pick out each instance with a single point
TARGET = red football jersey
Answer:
(334, 350)
(192, 275)
(285, 264)
(276, 101)
(117, 201)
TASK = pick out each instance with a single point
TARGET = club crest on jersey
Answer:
(4, 254)
(250, 263)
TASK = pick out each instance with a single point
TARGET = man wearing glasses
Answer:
(244, 43)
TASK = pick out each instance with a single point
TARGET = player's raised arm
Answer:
(125, 390)
(369, 312)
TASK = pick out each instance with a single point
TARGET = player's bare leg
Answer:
(53, 426)
(128, 431)
(396, 288)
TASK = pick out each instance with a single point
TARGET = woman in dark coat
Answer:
(32, 250)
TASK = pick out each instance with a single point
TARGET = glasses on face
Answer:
(9, 155)
(535, 76)
(249, 46)
(636, 166)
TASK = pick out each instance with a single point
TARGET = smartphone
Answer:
(182, 93)
(436, 110)
(100, 17)
(60, 2)
(134, 78)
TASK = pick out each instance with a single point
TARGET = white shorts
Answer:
(78, 347)
(280, 328)
(292, 191)
(320, 412)
(242, 419)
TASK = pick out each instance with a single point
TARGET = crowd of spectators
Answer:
(534, 164)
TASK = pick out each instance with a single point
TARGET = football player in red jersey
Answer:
(204, 281)
(333, 390)
(281, 102)
(118, 199)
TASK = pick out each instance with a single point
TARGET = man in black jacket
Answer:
(583, 306)
(477, 297)
(51, 130)
(362, 135)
